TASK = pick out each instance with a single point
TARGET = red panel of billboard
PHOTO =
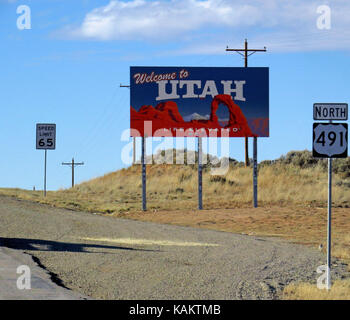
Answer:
(199, 101)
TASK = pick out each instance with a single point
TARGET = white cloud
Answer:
(289, 24)
(161, 19)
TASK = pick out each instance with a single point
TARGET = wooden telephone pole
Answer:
(246, 53)
(73, 164)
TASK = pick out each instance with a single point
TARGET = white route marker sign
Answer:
(330, 140)
(331, 111)
(46, 136)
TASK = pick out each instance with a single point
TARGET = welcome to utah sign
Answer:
(184, 101)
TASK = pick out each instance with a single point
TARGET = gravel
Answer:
(109, 258)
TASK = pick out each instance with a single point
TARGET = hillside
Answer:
(294, 179)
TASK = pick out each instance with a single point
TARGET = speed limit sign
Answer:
(330, 140)
(46, 136)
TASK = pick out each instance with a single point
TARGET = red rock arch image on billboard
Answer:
(213, 102)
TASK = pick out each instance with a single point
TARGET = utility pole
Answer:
(72, 164)
(246, 53)
(133, 138)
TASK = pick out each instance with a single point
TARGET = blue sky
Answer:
(67, 69)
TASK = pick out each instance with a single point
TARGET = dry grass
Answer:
(175, 187)
(292, 205)
(340, 290)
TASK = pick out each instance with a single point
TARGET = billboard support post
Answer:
(200, 204)
(45, 173)
(133, 150)
(246, 151)
(255, 171)
(143, 163)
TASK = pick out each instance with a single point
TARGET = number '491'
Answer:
(331, 137)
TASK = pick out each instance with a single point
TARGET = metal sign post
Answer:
(143, 163)
(200, 203)
(329, 226)
(45, 139)
(133, 150)
(255, 171)
(45, 173)
(330, 140)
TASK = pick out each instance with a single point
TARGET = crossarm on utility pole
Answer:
(72, 164)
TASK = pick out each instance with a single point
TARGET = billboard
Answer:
(199, 101)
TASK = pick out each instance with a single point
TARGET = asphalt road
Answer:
(14, 287)
(111, 258)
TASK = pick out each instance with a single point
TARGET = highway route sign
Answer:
(330, 140)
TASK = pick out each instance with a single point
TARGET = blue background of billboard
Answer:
(256, 89)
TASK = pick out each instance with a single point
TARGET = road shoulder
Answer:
(42, 286)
